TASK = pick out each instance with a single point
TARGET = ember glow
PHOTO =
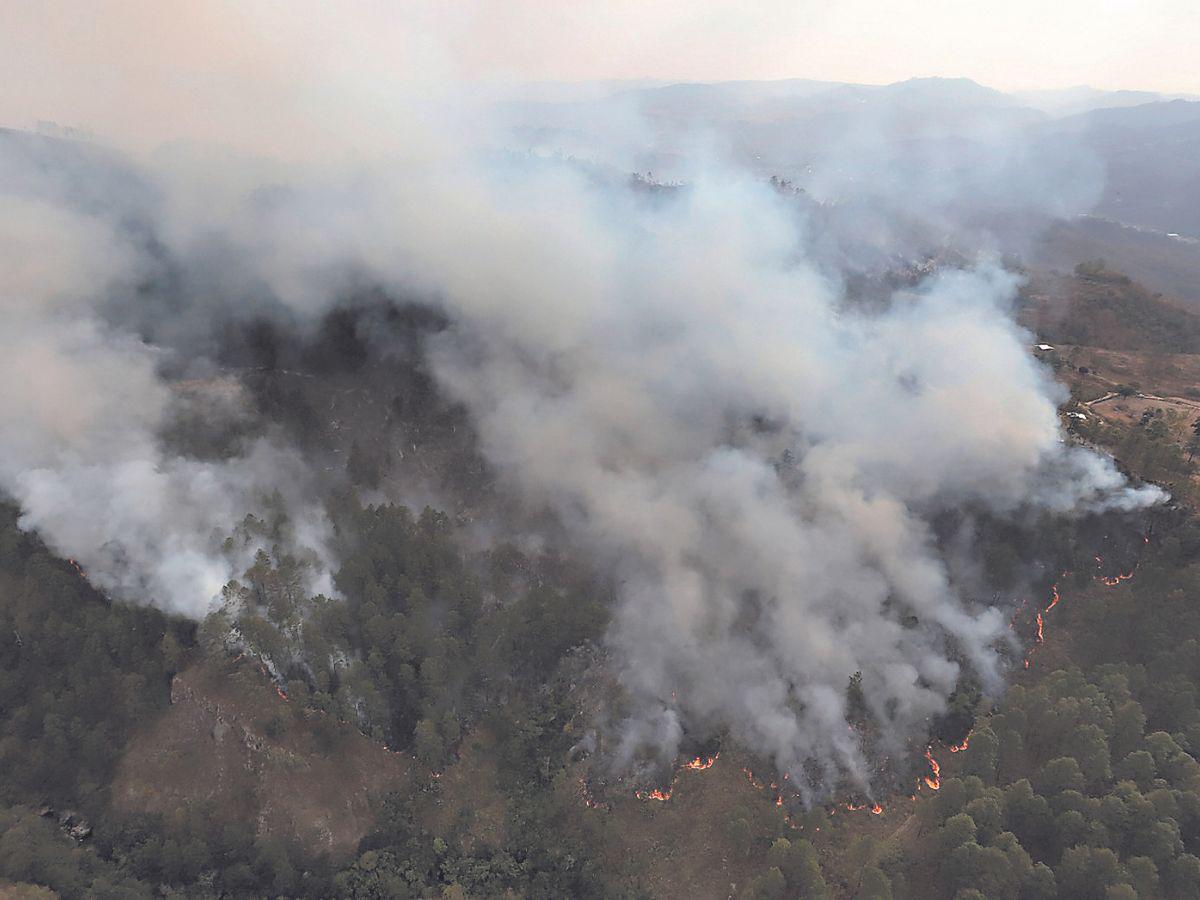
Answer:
(1114, 580)
(655, 794)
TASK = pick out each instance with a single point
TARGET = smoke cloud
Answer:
(675, 375)
(761, 464)
(85, 403)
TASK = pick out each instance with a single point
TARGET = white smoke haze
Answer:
(81, 414)
(675, 376)
(763, 565)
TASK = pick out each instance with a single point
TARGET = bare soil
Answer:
(229, 738)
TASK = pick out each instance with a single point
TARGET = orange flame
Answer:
(655, 794)
(282, 694)
(1054, 597)
(877, 810)
(1114, 580)
(934, 780)
(959, 748)
(1041, 632)
(699, 764)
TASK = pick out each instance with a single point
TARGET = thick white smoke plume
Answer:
(760, 463)
(670, 373)
(83, 408)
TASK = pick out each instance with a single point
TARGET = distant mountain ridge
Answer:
(937, 136)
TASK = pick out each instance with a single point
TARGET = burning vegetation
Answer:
(698, 764)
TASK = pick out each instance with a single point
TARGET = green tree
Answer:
(956, 831)
(1086, 872)
(799, 863)
(1183, 876)
(1143, 875)
(982, 754)
(1059, 775)
(1027, 815)
(984, 868)
(1090, 749)
(1139, 768)
(988, 815)
(427, 743)
(1040, 884)
(875, 885)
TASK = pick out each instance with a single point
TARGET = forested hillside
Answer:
(433, 729)
(418, 483)
(1082, 782)
(1099, 307)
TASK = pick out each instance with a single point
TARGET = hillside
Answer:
(428, 473)
(230, 742)
(1164, 264)
(1101, 308)
(498, 797)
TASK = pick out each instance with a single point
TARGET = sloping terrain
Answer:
(1098, 307)
(229, 739)
(1161, 262)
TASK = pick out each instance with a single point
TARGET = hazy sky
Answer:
(205, 65)
(1014, 44)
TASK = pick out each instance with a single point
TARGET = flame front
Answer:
(655, 794)
(1054, 597)
(699, 764)
(934, 779)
